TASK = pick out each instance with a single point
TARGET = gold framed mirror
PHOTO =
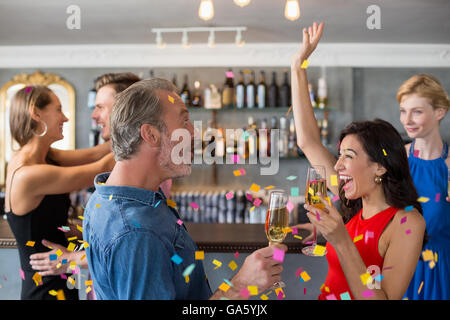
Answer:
(62, 89)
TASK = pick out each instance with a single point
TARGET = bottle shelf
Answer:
(255, 109)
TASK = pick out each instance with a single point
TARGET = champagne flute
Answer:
(316, 182)
(277, 222)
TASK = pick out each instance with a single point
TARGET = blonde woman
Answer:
(423, 104)
(37, 188)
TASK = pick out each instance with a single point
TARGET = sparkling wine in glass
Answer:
(277, 222)
(316, 182)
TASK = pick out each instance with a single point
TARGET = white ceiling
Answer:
(33, 22)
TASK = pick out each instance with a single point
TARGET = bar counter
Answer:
(210, 237)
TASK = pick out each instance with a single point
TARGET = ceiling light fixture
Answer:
(292, 10)
(241, 3)
(211, 39)
(206, 10)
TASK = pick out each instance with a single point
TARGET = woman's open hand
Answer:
(311, 37)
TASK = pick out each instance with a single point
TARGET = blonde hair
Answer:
(425, 86)
(21, 125)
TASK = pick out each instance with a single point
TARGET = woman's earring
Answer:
(45, 129)
(378, 179)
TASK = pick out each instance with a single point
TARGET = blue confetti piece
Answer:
(53, 257)
(176, 259)
(409, 208)
(379, 277)
(157, 203)
(64, 261)
(228, 282)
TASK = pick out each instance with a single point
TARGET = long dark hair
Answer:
(383, 145)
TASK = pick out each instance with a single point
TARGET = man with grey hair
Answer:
(138, 246)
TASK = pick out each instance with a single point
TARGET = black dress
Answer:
(41, 223)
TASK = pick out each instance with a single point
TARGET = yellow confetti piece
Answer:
(435, 256)
(171, 99)
(80, 228)
(357, 238)
(334, 181)
(71, 280)
(30, 243)
(305, 276)
(384, 152)
(427, 255)
(81, 217)
(311, 191)
(171, 203)
(37, 279)
(60, 295)
(277, 292)
(289, 111)
(305, 64)
(83, 257)
(58, 265)
(423, 199)
(298, 237)
(110, 197)
(97, 205)
(431, 265)
(53, 292)
(73, 265)
(72, 238)
(70, 247)
(59, 252)
(327, 289)
(186, 278)
(217, 263)
(236, 173)
(264, 297)
(287, 230)
(269, 187)
(88, 283)
(420, 288)
(319, 250)
(88, 289)
(252, 208)
(365, 277)
(255, 187)
(199, 255)
(224, 287)
(232, 265)
(253, 290)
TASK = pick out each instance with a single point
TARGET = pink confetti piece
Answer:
(194, 205)
(22, 274)
(331, 297)
(289, 206)
(249, 197)
(242, 171)
(438, 196)
(386, 268)
(229, 74)
(298, 272)
(403, 220)
(416, 153)
(308, 242)
(229, 195)
(278, 254)
(236, 254)
(280, 295)
(304, 291)
(179, 222)
(369, 234)
(28, 89)
(245, 293)
(294, 230)
(335, 198)
(257, 202)
(317, 216)
(368, 293)
(63, 276)
(408, 231)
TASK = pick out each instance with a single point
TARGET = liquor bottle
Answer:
(312, 96)
(228, 91)
(284, 137)
(251, 92)
(212, 98)
(220, 144)
(240, 91)
(252, 140)
(185, 93)
(209, 138)
(324, 132)
(285, 91)
(197, 98)
(322, 99)
(273, 141)
(264, 139)
(292, 146)
(273, 94)
(261, 96)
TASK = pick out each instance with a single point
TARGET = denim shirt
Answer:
(133, 237)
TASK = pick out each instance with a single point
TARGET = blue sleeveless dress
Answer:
(430, 180)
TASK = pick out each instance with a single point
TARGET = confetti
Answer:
(294, 230)
(305, 64)
(255, 187)
(245, 293)
(278, 254)
(357, 238)
(304, 291)
(71, 246)
(186, 279)
(53, 293)
(252, 208)
(249, 197)
(305, 276)
(384, 152)
(88, 289)
(236, 173)
(217, 263)
(269, 187)
(229, 74)
(298, 237)
(253, 290)
(81, 217)
(257, 202)
(264, 297)
(427, 255)
(59, 252)
(365, 277)
(236, 254)
(289, 206)
(235, 158)
(30, 243)
(97, 205)
(420, 288)
(317, 216)
(331, 297)
(22, 274)
(319, 250)
(289, 111)
(311, 191)
(437, 198)
(280, 294)
(171, 203)
(232, 265)
(53, 257)
(345, 296)
(179, 222)
(224, 287)
(28, 89)
(291, 178)
(423, 199)
(60, 295)
(409, 208)
(369, 234)
(335, 198)
(242, 171)
(298, 272)
(171, 99)
(37, 279)
(229, 195)
(88, 283)
(294, 192)
(403, 220)
(157, 204)
(287, 230)
(379, 277)
(188, 270)
(176, 259)
(72, 238)
(368, 293)
(80, 228)
(408, 231)
(333, 179)
(416, 153)
(194, 205)
(199, 255)
(110, 197)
